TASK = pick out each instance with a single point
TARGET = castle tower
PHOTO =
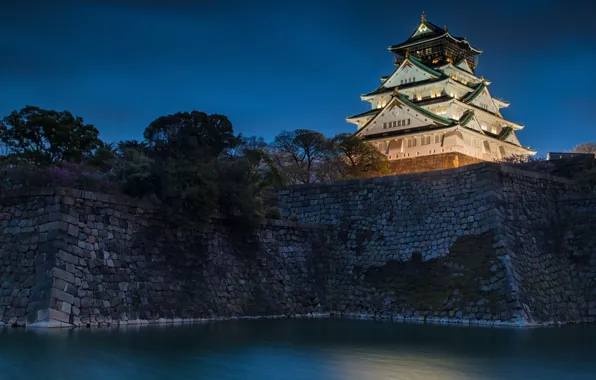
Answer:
(433, 112)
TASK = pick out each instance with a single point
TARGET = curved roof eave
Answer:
(446, 34)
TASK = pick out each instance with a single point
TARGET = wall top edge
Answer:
(480, 167)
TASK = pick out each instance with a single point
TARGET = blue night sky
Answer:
(280, 65)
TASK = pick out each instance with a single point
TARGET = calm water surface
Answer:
(300, 349)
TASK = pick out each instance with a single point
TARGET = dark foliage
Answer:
(44, 137)
(191, 162)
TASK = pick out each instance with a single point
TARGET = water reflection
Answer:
(299, 349)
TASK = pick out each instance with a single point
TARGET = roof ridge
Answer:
(474, 94)
(404, 99)
(372, 111)
(417, 63)
(422, 66)
(466, 117)
(428, 113)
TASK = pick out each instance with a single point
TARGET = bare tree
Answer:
(588, 147)
(299, 153)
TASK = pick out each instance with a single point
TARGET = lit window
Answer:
(432, 93)
(494, 130)
(484, 127)
(419, 96)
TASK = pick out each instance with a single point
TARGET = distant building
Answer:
(561, 156)
(433, 112)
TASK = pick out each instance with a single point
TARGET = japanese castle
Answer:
(435, 104)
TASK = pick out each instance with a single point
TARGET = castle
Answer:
(433, 111)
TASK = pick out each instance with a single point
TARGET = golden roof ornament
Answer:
(395, 90)
(423, 18)
(446, 28)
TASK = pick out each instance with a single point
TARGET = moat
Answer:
(299, 349)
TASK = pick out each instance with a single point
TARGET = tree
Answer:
(103, 158)
(240, 190)
(299, 153)
(44, 137)
(135, 170)
(123, 146)
(588, 147)
(188, 188)
(193, 135)
(361, 158)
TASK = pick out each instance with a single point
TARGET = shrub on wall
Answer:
(72, 175)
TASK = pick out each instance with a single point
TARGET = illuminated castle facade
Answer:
(434, 107)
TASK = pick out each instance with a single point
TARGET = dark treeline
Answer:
(191, 162)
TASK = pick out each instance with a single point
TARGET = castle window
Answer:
(437, 139)
(419, 96)
(425, 140)
(394, 124)
(399, 123)
(408, 121)
(411, 143)
(494, 130)
(484, 127)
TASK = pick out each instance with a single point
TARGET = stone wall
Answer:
(431, 163)
(533, 235)
(576, 225)
(479, 244)
(482, 244)
(27, 237)
(73, 257)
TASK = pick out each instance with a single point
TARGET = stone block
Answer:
(63, 275)
(73, 230)
(62, 296)
(66, 307)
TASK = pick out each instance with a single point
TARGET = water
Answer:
(300, 349)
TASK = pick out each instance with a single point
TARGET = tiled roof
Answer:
(367, 113)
